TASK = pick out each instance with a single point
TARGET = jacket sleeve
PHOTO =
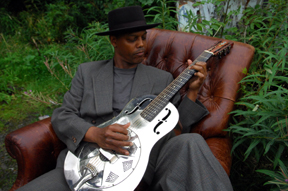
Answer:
(190, 112)
(66, 120)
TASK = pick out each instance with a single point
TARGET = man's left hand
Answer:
(197, 80)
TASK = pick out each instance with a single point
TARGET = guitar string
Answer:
(160, 101)
(163, 98)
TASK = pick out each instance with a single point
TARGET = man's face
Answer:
(129, 49)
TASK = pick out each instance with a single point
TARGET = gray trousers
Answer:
(185, 162)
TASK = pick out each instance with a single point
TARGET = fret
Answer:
(163, 98)
(203, 57)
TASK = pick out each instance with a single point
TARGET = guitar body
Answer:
(116, 171)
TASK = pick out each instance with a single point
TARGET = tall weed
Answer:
(265, 101)
(8, 23)
(260, 122)
(165, 13)
(259, 126)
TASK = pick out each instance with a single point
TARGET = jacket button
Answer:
(74, 139)
(93, 121)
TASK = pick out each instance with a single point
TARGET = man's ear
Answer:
(113, 41)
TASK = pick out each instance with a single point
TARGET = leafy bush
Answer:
(163, 13)
(280, 179)
(8, 23)
(260, 122)
(259, 125)
(264, 103)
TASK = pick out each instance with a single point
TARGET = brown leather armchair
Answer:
(36, 146)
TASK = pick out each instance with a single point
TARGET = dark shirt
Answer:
(122, 85)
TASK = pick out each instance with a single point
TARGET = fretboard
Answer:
(152, 110)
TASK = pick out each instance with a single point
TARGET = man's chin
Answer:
(140, 60)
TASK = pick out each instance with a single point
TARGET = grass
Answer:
(22, 69)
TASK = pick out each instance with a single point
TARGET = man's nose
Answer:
(140, 43)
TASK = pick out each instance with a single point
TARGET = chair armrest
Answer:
(221, 148)
(35, 148)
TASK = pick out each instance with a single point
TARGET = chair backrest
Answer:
(169, 50)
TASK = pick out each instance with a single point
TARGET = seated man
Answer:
(99, 92)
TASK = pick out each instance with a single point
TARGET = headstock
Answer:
(220, 48)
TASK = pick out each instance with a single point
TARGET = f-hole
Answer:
(162, 121)
(138, 106)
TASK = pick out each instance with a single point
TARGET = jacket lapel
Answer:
(103, 89)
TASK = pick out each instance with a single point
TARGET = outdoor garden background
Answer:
(43, 42)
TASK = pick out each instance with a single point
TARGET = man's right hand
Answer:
(113, 137)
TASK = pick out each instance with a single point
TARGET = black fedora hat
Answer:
(126, 19)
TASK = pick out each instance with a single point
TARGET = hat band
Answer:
(126, 25)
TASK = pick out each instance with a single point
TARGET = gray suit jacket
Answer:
(89, 101)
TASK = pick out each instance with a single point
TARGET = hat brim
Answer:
(128, 29)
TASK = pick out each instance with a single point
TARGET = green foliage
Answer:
(205, 27)
(5, 97)
(20, 61)
(21, 66)
(8, 23)
(49, 26)
(114, 4)
(163, 13)
(260, 120)
(265, 87)
(259, 126)
(47, 21)
(278, 178)
(80, 48)
(199, 25)
(92, 46)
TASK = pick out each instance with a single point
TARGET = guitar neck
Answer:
(152, 110)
